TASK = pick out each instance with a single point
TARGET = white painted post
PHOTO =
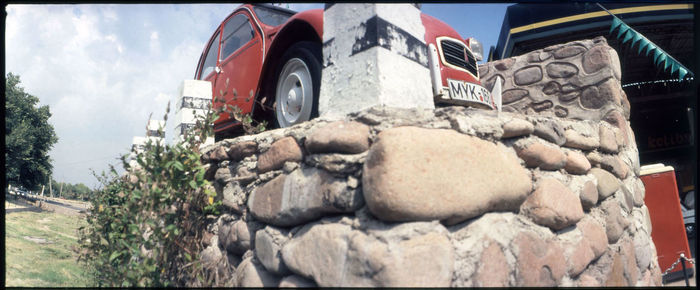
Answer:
(496, 93)
(373, 54)
(194, 100)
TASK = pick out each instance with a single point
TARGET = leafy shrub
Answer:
(145, 227)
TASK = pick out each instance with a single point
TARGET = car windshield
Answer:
(272, 17)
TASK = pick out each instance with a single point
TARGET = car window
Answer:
(237, 32)
(271, 17)
(210, 60)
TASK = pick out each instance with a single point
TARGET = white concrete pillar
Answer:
(194, 99)
(373, 54)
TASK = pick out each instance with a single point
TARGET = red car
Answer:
(267, 61)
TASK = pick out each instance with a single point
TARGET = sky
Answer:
(103, 69)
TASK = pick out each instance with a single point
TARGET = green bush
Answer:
(145, 227)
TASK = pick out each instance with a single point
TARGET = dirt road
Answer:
(15, 204)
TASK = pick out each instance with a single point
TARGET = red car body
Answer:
(243, 72)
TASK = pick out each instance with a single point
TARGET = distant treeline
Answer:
(65, 190)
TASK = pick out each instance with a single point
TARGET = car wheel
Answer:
(298, 84)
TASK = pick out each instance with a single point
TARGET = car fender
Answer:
(303, 26)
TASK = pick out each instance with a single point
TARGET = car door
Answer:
(241, 62)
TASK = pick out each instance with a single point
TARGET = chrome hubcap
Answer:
(294, 95)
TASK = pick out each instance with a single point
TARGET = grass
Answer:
(52, 264)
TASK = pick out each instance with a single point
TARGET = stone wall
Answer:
(577, 80)
(419, 197)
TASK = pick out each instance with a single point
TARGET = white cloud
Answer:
(154, 43)
(103, 69)
(101, 73)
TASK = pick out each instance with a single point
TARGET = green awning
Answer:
(660, 57)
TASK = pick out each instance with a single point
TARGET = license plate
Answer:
(468, 92)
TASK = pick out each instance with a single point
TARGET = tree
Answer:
(28, 137)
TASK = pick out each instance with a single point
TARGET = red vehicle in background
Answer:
(267, 61)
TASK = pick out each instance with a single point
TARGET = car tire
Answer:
(297, 86)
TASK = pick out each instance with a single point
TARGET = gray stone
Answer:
(576, 163)
(577, 251)
(608, 140)
(551, 88)
(595, 59)
(483, 69)
(268, 246)
(485, 127)
(594, 158)
(386, 117)
(647, 218)
(594, 233)
(616, 275)
(304, 195)
(399, 255)
(615, 223)
(590, 98)
(568, 51)
(626, 197)
(339, 137)
(288, 167)
(607, 183)
(543, 106)
(493, 268)
(619, 121)
(642, 250)
(527, 75)
(540, 262)
(629, 257)
(615, 166)
(561, 70)
(251, 274)
(553, 205)
(516, 128)
(611, 92)
(537, 154)
(244, 176)
(551, 131)
(303, 255)
(568, 88)
(504, 64)
(586, 280)
(218, 154)
(212, 259)
(295, 281)
(472, 240)
(211, 254)
(639, 192)
(234, 197)
(560, 111)
(576, 140)
(339, 164)
(242, 150)
(406, 165)
(281, 151)
(589, 195)
(512, 95)
(538, 56)
(222, 175)
(239, 236)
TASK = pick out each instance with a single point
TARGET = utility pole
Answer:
(50, 190)
(60, 194)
